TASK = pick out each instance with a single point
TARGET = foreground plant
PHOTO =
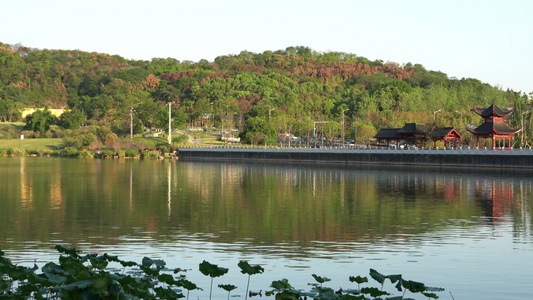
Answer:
(212, 271)
(91, 277)
(227, 287)
(86, 277)
(247, 269)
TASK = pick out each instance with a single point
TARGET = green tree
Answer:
(41, 120)
(258, 130)
(72, 119)
(365, 132)
(148, 113)
(9, 111)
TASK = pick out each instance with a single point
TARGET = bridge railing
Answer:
(371, 149)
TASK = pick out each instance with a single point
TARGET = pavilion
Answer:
(493, 125)
(418, 133)
(410, 132)
(447, 135)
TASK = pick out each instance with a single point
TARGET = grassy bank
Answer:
(33, 144)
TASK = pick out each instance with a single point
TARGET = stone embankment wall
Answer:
(460, 158)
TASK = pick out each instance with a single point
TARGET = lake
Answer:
(468, 231)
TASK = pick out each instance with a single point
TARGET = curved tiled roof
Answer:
(493, 110)
(491, 127)
(444, 131)
(388, 133)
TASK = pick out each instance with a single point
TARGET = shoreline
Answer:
(522, 159)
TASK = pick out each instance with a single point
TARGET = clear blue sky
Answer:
(488, 40)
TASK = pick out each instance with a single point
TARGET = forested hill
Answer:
(291, 87)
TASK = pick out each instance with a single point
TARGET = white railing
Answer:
(372, 149)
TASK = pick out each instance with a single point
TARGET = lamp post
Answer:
(435, 113)
(342, 128)
(523, 134)
(131, 123)
(169, 123)
(314, 126)
(270, 109)
(222, 122)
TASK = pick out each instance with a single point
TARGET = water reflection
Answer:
(251, 203)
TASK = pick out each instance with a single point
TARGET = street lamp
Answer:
(169, 123)
(342, 128)
(271, 109)
(222, 123)
(435, 113)
(314, 126)
(131, 123)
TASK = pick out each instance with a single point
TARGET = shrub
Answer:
(121, 153)
(106, 154)
(110, 140)
(85, 154)
(55, 153)
(3, 151)
(164, 149)
(146, 154)
(44, 152)
(32, 152)
(131, 153)
(15, 151)
(70, 152)
(103, 132)
(72, 141)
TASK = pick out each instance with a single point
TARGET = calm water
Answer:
(464, 230)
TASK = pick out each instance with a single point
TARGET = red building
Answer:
(494, 125)
(418, 134)
(413, 133)
(448, 135)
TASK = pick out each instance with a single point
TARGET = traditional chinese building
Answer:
(448, 135)
(410, 133)
(494, 125)
(418, 134)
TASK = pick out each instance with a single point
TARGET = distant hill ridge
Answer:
(283, 86)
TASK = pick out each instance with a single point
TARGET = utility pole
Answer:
(314, 129)
(169, 123)
(435, 114)
(270, 109)
(342, 128)
(131, 123)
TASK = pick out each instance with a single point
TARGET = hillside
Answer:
(274, 91)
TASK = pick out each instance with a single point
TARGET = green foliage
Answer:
(302, 85)
(211, 270)
(321, 280)
(89, 276)
(131, 153)
(85, 276)
(70, 152)
(40, 120)
(105, 154)
(72, 119)
(79, 139)
(227, 287)
(180, 139)
(250, 270)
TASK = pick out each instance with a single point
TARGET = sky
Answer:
(488, 40)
